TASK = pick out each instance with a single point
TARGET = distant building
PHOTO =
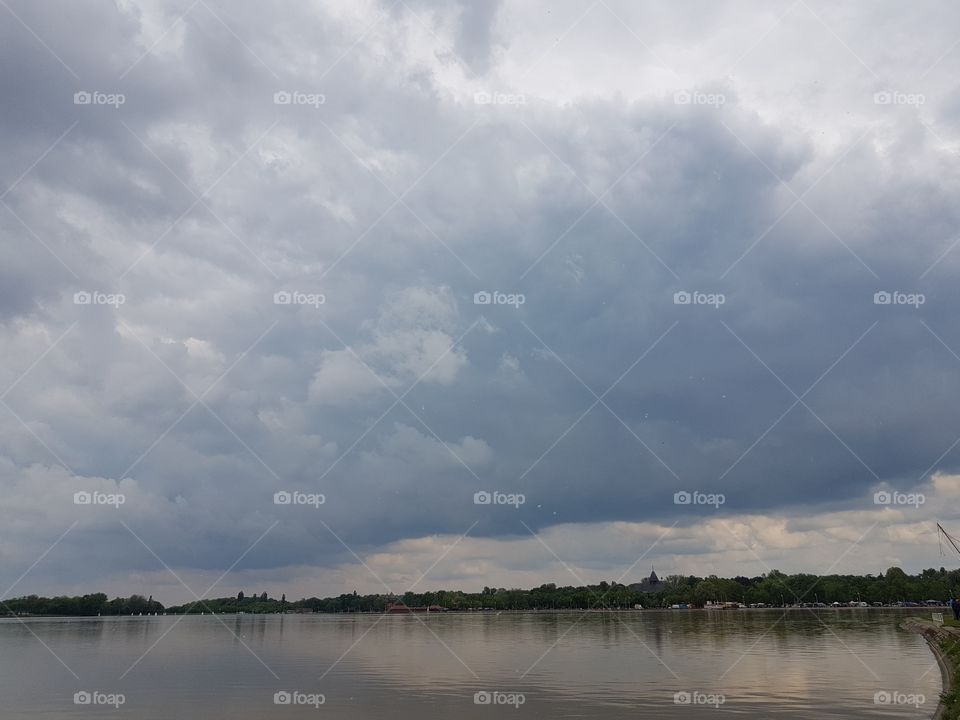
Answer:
(652, 584)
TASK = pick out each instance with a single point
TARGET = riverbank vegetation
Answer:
(950, 701)
(93, 604)
(773, 589)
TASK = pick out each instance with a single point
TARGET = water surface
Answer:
(798, 664)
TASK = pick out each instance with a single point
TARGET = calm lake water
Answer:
(750, 663)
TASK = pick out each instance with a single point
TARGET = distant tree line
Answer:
(94, 604)
(774, 589)
(254, 604)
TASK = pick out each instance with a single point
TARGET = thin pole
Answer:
(949, 537)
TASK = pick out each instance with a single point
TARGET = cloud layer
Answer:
(398, 254)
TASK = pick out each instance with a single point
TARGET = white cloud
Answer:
(343, 380)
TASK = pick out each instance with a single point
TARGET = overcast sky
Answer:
(718, 240)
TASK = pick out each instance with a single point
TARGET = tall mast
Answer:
(949, 538)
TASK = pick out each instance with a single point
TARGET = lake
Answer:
(649, 664)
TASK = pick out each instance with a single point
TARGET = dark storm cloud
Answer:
(398, 198)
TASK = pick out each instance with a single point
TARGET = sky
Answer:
(315, 297)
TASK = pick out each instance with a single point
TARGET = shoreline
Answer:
(540, 611)
(933, 634)
(947, 672)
